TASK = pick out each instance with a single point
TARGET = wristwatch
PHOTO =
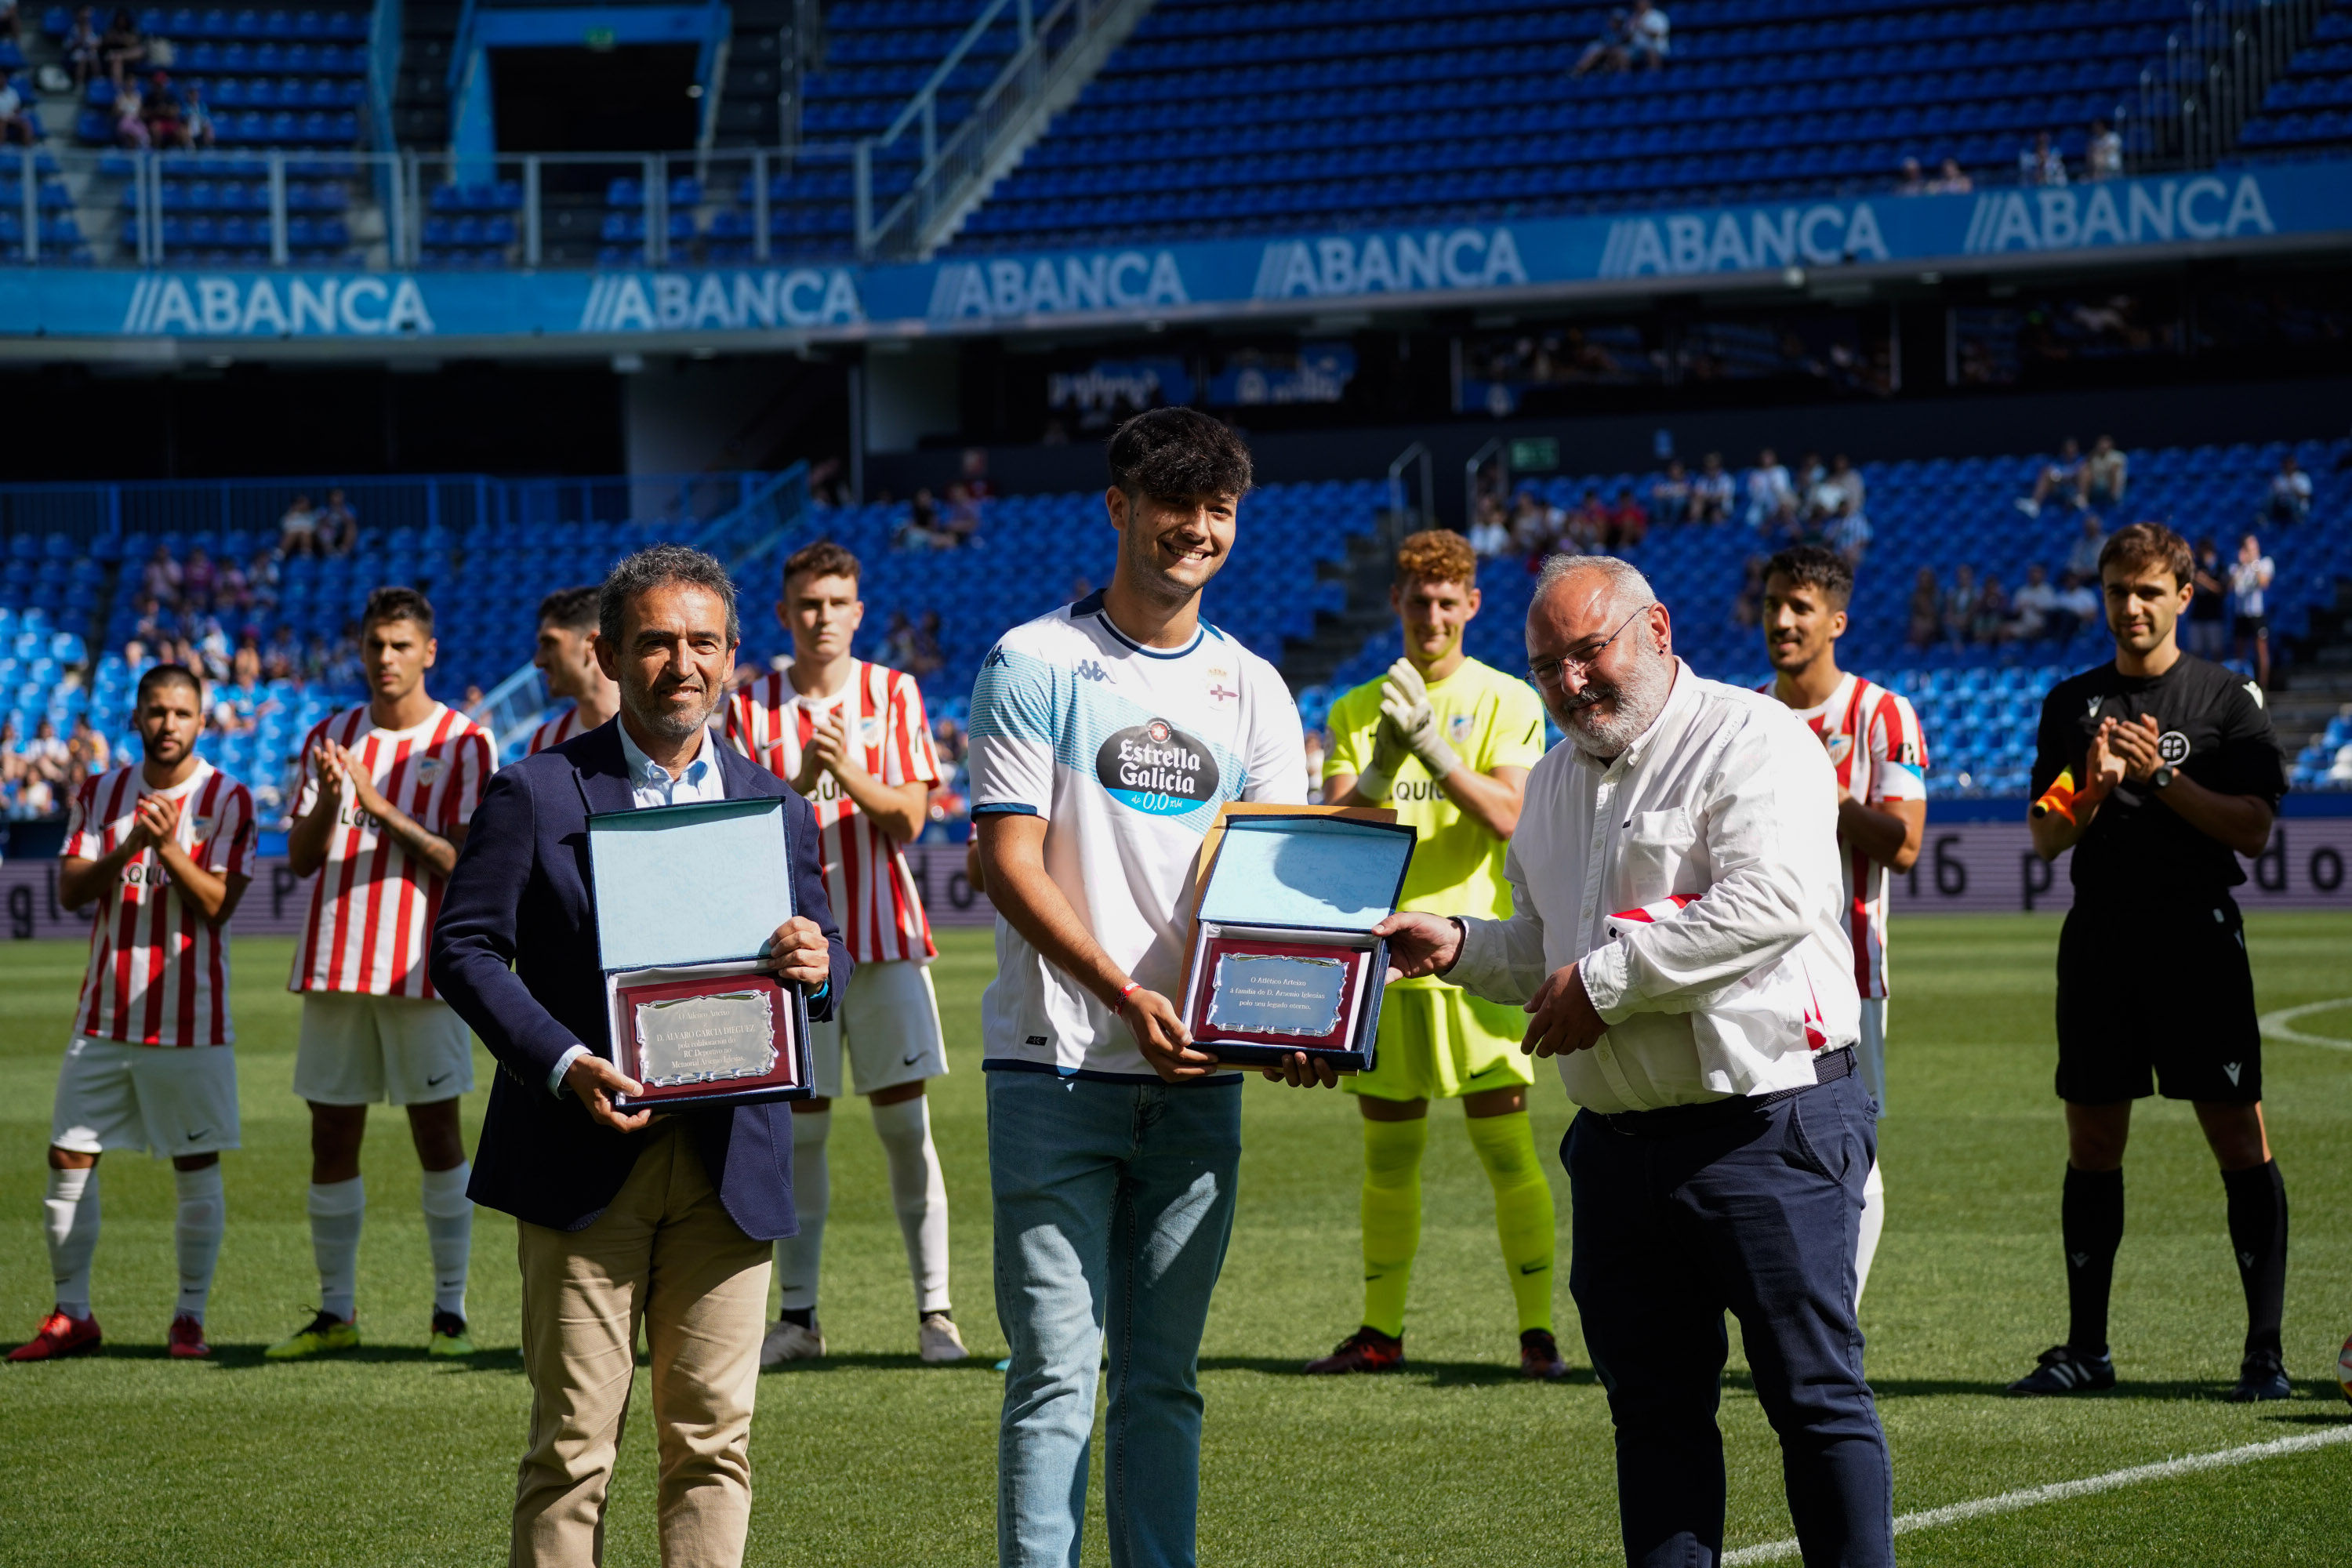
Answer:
(2162, 777)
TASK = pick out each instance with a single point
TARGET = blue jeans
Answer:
(1114, 1203)
(1756, 1215)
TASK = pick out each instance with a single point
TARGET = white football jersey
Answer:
(1876, 744)
(1127, 752)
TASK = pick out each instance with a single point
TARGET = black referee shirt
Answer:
(2213, 728)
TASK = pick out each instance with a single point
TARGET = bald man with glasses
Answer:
(1677, 941)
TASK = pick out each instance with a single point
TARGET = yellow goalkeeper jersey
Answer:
(1492, 721)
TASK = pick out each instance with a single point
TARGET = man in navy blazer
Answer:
(623, 1216)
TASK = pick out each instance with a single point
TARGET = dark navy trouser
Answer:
(1757, 1216)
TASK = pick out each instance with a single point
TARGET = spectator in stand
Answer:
(213, 649)
(1850, 534)
(2032, 605)
(899, 642)
(1747, 604)
(1925, 618)
(1992, 614)
(1628, 523)
(195, 118)
(161, 110)
(319, 659)
(198, 577)
(962, 515)
(161, 576)
(261, 581)
(2079, 603)
(1950, 180)
(83, 48)
(1912, 181)
(2289, 500)
(1711, 492)
(2106, 473)
(87, 747)
(15, 120)
(2249, 583)
(239, 702)
(123, 48)
(470, 705)
(1612, 50)
(1960, 603)
(1670, 494)
(46, 756)
(1490, 537)
(929, 657)
(2103, 159)
(1535, 524)
(2084, 559)
(282, 660)
(1770, 497)
(232, 590)
(1588, 524)
(2063, 475)
(339, 526)
(2208, 611)
(2039, 164)
(1647, 40)
(297, 530)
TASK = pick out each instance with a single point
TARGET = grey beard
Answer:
(675, 726)
(1638, 699)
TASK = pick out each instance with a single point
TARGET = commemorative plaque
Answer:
(687, 898)
(1283, 959)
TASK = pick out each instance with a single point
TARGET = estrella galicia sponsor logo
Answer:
(729, 302)
(1157, 768)
(172, 305)
(2135, 212)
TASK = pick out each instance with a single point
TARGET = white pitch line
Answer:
(2282, 1025)
(2010, 1502)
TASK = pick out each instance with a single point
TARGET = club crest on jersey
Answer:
(427, 769)
(869, 729)
(2172, 746)
(1459, 728)
(1157, 769)
(1840, 747)
(1222, 693)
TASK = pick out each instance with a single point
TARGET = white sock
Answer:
(449, 1229)
(196, 1235)
(336, 1210)
(919, 1193)
(797, 1257)
(70, 1216)
(1873, 1216)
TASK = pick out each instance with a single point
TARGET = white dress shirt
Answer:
(650, 783)
(1729, 800)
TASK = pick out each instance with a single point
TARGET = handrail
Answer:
(1415, 456)
(925, 96)
(386, 33)
(1470, 478)
(2216, 69)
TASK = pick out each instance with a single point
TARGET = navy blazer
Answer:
(514, 951)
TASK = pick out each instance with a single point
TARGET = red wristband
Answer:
(1128, 990)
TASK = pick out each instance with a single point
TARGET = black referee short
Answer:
(2157, 996)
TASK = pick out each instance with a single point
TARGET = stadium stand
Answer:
(2311, 107)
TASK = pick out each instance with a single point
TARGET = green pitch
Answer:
(872, 1458)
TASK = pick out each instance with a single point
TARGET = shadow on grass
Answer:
(879, 1361)
(249, 1358)
(2179, 1390)
(1434, 1374)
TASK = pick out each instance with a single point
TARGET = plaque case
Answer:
(686, 896)
(1288, 894)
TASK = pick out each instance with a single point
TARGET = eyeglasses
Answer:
(1549, 671)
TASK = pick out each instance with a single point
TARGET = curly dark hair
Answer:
(1815, 567)
(397, 604)
(657, 567)
(1179, 454)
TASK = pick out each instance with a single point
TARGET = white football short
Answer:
(1870, 1050)
(169, 1101)
(358, 1050)
(888, 1018)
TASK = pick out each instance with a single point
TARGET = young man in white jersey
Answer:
(388, 789)
(1105, 737)
(163, 848)
(566, 657)
(1447, 742)
(1880, 757)
(851, 738)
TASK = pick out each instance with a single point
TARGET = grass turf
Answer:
(869, 1458)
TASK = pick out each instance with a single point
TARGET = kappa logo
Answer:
(2254, 691)
(2091, 709)
(2233, 1069)
(2172, 746)
(2079, 1259)
(2245, 1261)
(995, 657)
(1088, 670)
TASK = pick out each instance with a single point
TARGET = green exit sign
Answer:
(600, 39)
(1535, 455)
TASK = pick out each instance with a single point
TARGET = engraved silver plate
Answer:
(1277, 994)
(710, 1038)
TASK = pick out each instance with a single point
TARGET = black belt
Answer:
(1674, 1121)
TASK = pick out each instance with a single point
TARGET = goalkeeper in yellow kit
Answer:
(1447, 741)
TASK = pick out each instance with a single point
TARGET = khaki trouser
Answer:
(666, 1255)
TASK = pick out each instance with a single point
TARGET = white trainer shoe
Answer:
(938, 1339)
(789, 1341)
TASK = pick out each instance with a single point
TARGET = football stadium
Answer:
(1110, 577)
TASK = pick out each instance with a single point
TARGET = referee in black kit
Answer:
(2153, 769)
